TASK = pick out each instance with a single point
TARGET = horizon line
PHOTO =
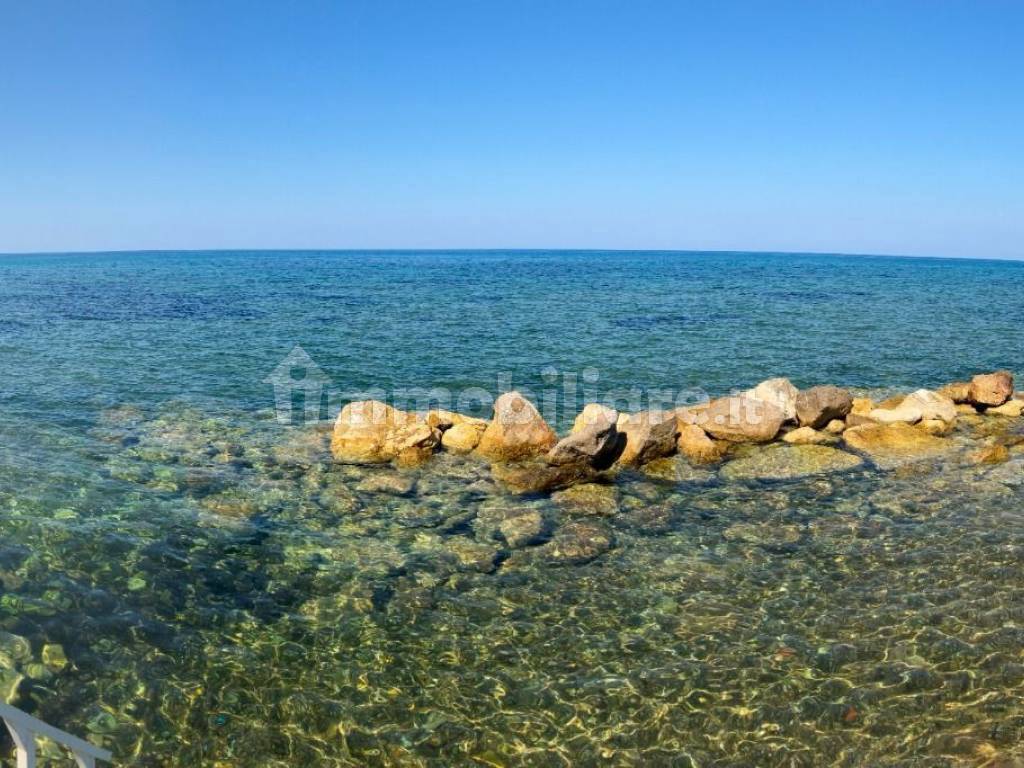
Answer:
(717, 251)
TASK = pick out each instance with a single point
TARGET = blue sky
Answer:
(862, 126)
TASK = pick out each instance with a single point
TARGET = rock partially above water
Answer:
(649, 435)
(464, 436)
(922, 405)
(694, 443)
(817, 406)
(516, 432)
(741, 419)
(991, 389)
(890, 445)
(783, 463)
(779, 392)
(596, 443)
(806, 436)
(372, 432)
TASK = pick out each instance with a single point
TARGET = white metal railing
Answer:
(24, 728)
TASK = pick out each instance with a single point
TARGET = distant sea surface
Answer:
(191, 582)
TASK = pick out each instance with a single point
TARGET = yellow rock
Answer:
(890, 445)
(464, 436)
(805, 436)
(516, 432)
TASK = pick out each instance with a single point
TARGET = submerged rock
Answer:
(991, 389)
(578, 542)
(677, 469)
(525, 527)
(770, 535)
(648, 435)
(817, 406)
(807, 436)
(516, 432)
(779, 392)
(538, 476)
(889, 445)
(596, 443)
(588, 499)
(783, 463)
(740, 419)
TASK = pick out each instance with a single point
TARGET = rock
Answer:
(694, 443)
(578, 542)
(958, 391)
(649, 435)
(593, 412)
(677, 469)
(935, 426)
(472, 555)
(862, 405)
(523, 528)
(769, 535)
(741, 419)
(464, 436)
(989, 454)
(817, 406)
(779, 392)
(387, 482)
(371, 432)
(965, 409)
(917, 406)
(302, 448)
(516, 432)
(807, 436)
(890, 445)
(54, 658)
(991, 389)
(835, 427)
(538, 476)
(596, 443)
(784, 463)
(588, 500)
(1011, 408)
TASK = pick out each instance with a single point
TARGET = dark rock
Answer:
(578, 542)
(597, 443)
(817, 406)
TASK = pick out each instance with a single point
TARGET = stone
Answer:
(740, 419)
(989, 454)
(958, 391)
(807, 436)
(785, 463)
(391, 483)
(922, 405)
(412, 444)
(991, 389)
(523, 528)
(817, 406)
(464, 436)
(694, 443)
(935, 426)
(538, 476)
(588, 500)
(890, 445)
(779, 392)
(596, 443)
(54, 658)
(769, 535)
(835, 427)
(1011, 408)
(472, 555)
(594, 412)
(516, 432)
(372, 432)
(578, 542)
(966, 409)
(648, 435)
(862, 405)
(677, 469)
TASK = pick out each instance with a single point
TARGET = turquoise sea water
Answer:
(226, 595)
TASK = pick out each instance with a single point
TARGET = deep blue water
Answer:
(81, 330)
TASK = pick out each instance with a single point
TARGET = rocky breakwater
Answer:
(771, 432)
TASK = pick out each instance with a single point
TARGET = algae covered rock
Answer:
(539, 477)
(516, 432)
(588, 500)
(578, 542)
(817, 406)
(889, 445)
(787, 462)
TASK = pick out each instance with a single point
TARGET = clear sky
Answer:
(888, 126)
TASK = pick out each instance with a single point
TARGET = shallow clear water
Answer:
(225, 595)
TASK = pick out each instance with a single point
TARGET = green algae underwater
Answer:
(189, 583)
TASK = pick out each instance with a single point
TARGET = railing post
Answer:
(24, 744)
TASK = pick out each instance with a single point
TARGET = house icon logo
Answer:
(299, 385)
